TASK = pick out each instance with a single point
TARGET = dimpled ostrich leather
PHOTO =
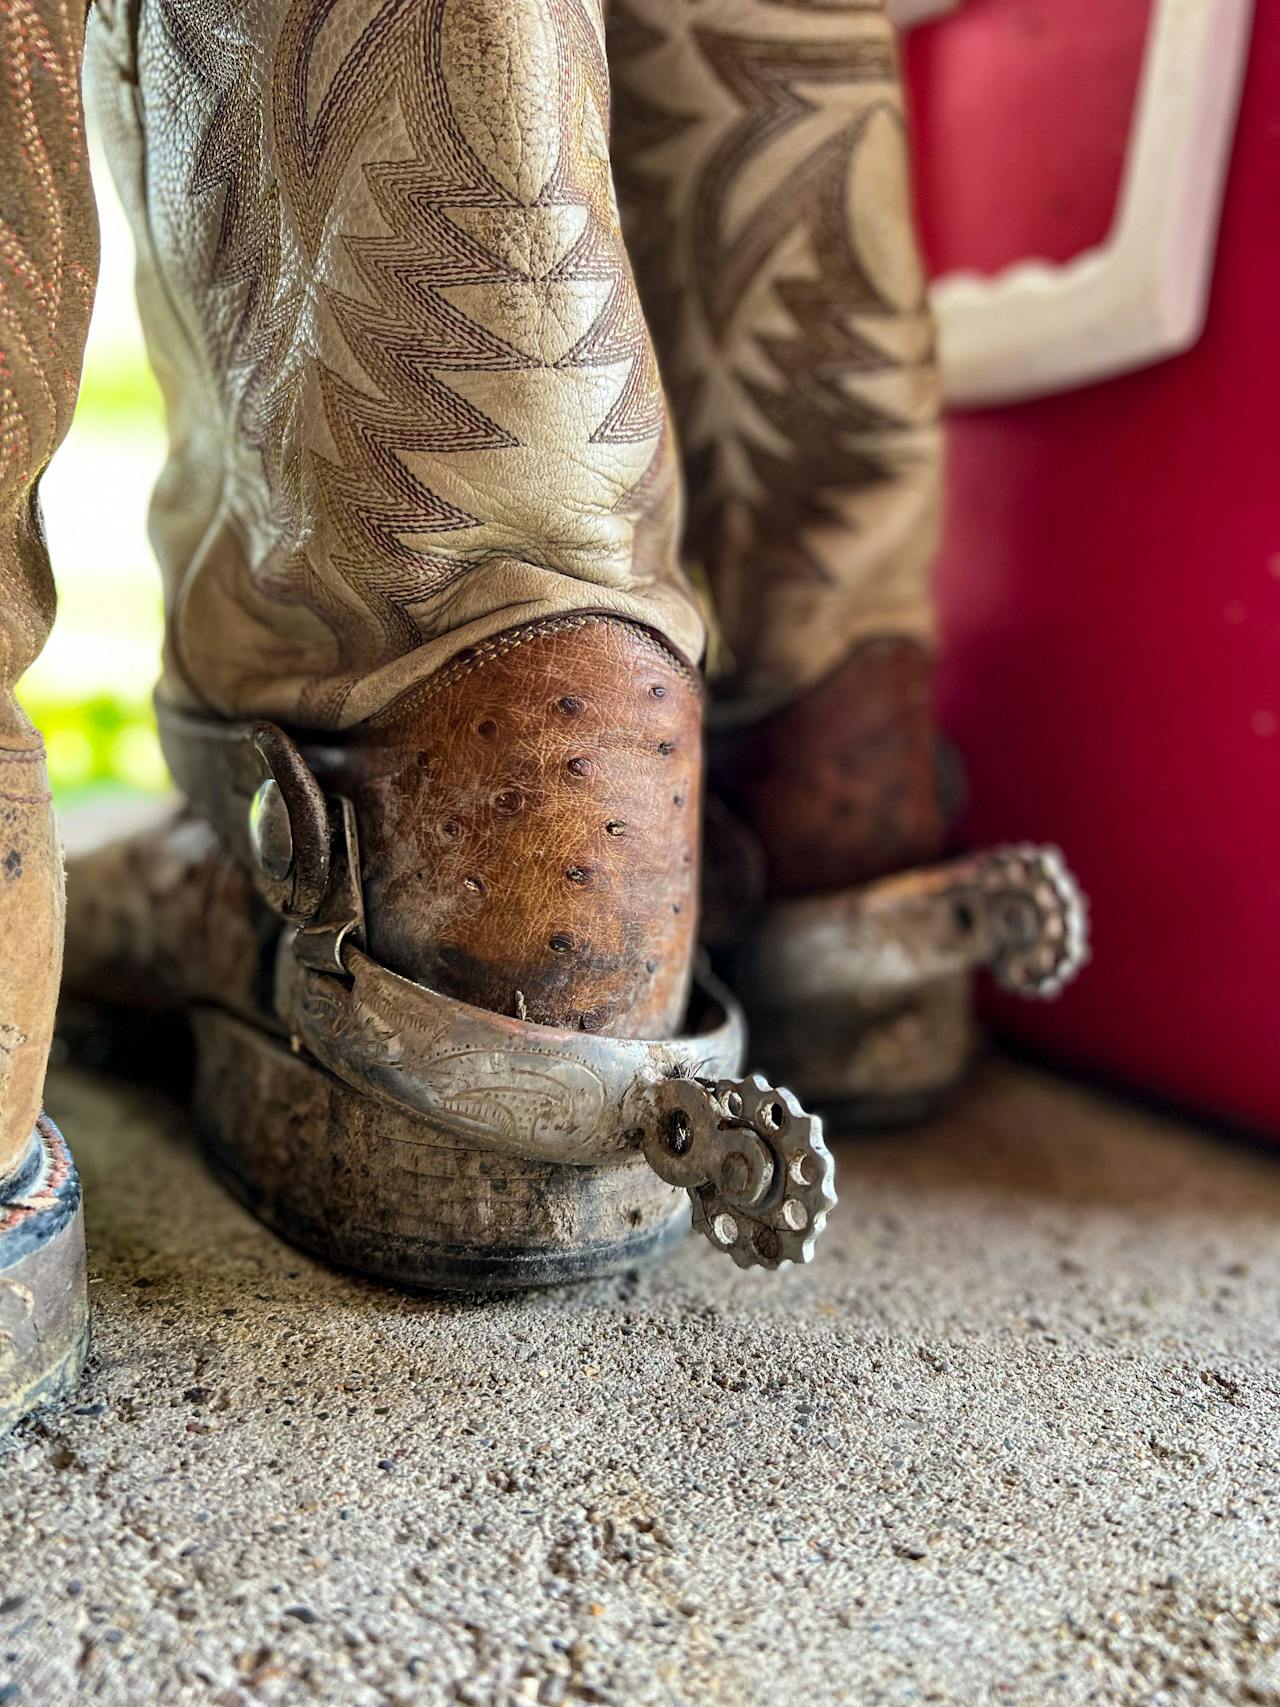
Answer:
(48, 260)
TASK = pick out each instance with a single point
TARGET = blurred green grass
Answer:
(90, 691)
(118, 387)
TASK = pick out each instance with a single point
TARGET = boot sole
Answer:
(44, 1301)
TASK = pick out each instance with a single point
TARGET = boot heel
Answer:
(873, 1061)
(376, 1189)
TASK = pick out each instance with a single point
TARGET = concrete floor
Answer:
(1012, 1438)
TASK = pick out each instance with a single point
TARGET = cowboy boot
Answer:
(761, 160)
(430, 677)
(48, 260)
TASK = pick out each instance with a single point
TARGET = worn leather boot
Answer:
(759, 147)
(48, 262)
(430, 679)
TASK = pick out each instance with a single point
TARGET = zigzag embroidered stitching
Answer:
(793, 330)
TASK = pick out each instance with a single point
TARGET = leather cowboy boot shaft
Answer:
(761, 159)
(47, 270)
(412, 398)
(760, 150)
(48, 262)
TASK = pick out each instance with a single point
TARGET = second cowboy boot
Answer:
(430, 678)
(761, 154)
(48, 261)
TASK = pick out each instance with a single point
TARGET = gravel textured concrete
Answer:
(1012, 1438)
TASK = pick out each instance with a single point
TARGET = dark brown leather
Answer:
(842, 786)
(528, 823)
